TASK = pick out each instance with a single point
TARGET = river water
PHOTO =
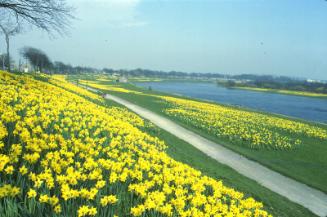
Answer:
(308, 108)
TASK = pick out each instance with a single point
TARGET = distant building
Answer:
(314, 81)
(123, 79)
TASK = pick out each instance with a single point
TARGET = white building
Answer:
(123, 79)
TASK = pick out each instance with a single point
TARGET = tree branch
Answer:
(49, 15)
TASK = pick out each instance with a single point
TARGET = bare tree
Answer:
(48, 15)
(9, 27)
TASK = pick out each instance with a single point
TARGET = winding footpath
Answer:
(314, 200)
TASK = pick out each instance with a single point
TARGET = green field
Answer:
(297, 163)
(186, 153)
(305, 163)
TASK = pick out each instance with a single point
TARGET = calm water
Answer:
(313, 109)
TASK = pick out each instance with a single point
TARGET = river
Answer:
(308, 108)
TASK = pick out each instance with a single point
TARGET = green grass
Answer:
(186, 153)
(306, 163)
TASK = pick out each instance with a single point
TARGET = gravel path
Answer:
(314, 200)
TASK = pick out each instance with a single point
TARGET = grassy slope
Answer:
(305, 164)
(186, 153)
(182, 151)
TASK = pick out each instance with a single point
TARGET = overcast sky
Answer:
(279, 37)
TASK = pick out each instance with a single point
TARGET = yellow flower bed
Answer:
(59, 77)
(249, 128)
(107, 87)
(60, 80)
(61, 153)
(104, 79)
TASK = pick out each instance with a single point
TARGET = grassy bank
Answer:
(287, 92)
(184, 152)
(304, 163)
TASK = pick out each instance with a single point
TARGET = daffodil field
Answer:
(246, 128)
(63, 153)
(251, 129)
(96, 85)
(60, 81)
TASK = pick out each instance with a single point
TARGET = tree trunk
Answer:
(8, 54)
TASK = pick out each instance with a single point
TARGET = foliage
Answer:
(50, 15)
(4, 61)
(62, 68)
(37, 58)
(288, 87)
(9, 26)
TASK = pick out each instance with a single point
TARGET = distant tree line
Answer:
(264, 78)
(39, 61)
(4, 61)
(296, 85)
(62, 68)
(163, 74)
(37, 58)
(176, 74)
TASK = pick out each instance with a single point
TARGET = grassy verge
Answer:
(186, 153)
(305, 163)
